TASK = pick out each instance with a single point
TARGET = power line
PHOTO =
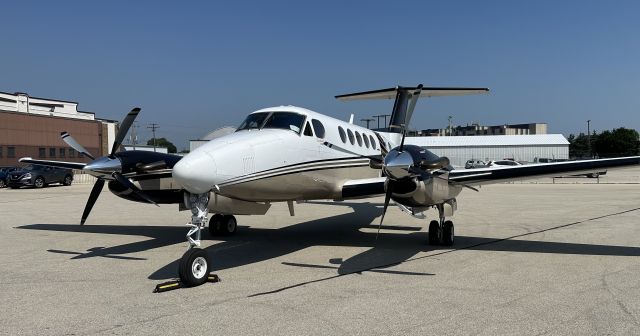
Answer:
(153, 127)
(133, 138)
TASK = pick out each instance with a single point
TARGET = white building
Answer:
(222, 131)
(459, 149)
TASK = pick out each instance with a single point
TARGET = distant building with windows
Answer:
(31, 127)
(477, 129)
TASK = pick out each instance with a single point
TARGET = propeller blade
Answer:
(124, 129)
(407, 115)
(127, 183)
(66, 137)
(93, 197)
(387, 197)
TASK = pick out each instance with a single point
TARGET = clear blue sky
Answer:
(196, 66)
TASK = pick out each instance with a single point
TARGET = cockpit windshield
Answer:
(281, 120)
(254, 120)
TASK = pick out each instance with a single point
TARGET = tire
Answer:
(194, 267)
(448, 233)
(39, 182)
(229, 225)
(3, 183)
(434, 226)
(67, 180)
(215, 222)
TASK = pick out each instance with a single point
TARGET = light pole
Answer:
(589, 137)
(367, 120)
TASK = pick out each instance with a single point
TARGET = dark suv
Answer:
(4, 174)
(39, 176)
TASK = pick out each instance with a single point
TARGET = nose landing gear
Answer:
(193, 268)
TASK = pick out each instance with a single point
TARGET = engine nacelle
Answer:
(418, 193)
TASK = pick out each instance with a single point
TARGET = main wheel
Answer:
(2, 183)
(39, 182)
(434, 226)
(194, 267)
(447, 233)
(229, 225)
(215, 223)
(67, 180)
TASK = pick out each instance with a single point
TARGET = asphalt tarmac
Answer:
(530, 258)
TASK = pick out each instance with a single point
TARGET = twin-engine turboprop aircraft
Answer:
(287, 154)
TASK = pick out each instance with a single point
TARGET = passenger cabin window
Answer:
(318, 128)
(366, 140)
(351, 138)
(285, 120)
(254, 120)
(307, 130)
(373, 142)
(343, 136)
(359, 138)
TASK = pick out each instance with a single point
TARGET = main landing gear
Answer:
(222, 225)
(441, 232)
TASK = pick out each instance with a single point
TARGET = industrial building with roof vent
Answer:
(527, 148)
(31, 126)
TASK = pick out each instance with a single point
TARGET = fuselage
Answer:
(282, 153)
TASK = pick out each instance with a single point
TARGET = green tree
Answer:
(619, 142)
(162, 142)
(579, 145)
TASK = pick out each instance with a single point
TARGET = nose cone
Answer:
(195, 172)
(103, 166)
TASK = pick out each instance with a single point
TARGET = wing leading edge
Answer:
(482, 176)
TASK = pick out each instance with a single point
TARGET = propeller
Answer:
(387, 198)
(66, 137)
(124, 129)
(110, 167)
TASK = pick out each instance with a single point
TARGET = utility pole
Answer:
(153, 127)
(367, 120)
(589, 137)
(133, 137)
(385, 119)
(449, 125)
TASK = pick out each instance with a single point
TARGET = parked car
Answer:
(475, 164)
(4, 173)
(39, 176)
(503, 163)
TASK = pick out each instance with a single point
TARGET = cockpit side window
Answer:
(307, 130)
(253, 121)
(318, 128)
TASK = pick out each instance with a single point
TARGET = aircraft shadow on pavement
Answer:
(254, 244)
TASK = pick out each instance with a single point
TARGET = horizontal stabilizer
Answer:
(391, 93)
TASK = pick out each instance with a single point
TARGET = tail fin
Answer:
(402, 95)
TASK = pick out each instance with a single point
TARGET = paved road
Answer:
(529, 259)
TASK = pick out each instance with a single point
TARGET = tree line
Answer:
(617, 142)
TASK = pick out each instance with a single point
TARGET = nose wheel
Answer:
(441, 232)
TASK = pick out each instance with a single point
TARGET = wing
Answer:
(482, 176)
(58, 164)
(363, 188)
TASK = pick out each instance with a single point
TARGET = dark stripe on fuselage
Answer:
(299, 167)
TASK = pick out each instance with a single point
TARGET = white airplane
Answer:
(288, 154)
